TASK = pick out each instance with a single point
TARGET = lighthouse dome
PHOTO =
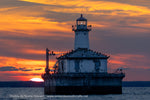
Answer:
(81, 18)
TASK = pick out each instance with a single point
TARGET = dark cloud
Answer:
(21, 74)
(8, 68)
(61, 17)
(20, 43)
(25, 69)
(11, 68)
(130, 2)
(16, 3)
(121, 36)
(38, 69)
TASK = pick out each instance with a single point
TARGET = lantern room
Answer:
(81, 21)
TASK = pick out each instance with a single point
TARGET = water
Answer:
(129, 93)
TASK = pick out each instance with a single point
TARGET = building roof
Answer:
(82, 53)
(81, 18)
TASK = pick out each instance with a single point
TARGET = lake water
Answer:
(129, 93)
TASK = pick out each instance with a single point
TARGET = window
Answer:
(81, 22)
(77, 65)
(62, 66)
(97, 65)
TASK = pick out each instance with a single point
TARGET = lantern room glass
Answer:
(81, 22)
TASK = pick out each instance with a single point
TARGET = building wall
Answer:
(81, 39)
(83, 65)
(103, 65)
(90, 80)
(87, 66)
(62, 66)
(70, 84)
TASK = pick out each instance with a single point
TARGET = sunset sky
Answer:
(120, 29)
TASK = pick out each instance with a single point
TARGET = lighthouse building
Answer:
(82, 59)
(82, 70)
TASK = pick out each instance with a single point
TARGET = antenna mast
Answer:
(48, 53)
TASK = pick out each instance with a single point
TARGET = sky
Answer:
(120, 29)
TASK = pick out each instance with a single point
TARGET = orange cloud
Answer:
(18, 76)
(23, 65)
(94, 7)
(43, 52)
(116, 62)
(13, 23)
(32, 51)
(6, 9)
(18, 62)
(128, 61)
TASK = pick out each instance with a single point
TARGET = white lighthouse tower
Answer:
(81, 33)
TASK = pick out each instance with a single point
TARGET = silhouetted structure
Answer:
(81, 71)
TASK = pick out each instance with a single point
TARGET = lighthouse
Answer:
(81, 70)
(81, 30)
(82, 59)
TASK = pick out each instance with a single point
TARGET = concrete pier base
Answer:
(83, 84)
(82, 90)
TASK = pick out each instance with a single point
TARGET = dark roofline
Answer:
(84, 58)
(81, 18)
(65, 56)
